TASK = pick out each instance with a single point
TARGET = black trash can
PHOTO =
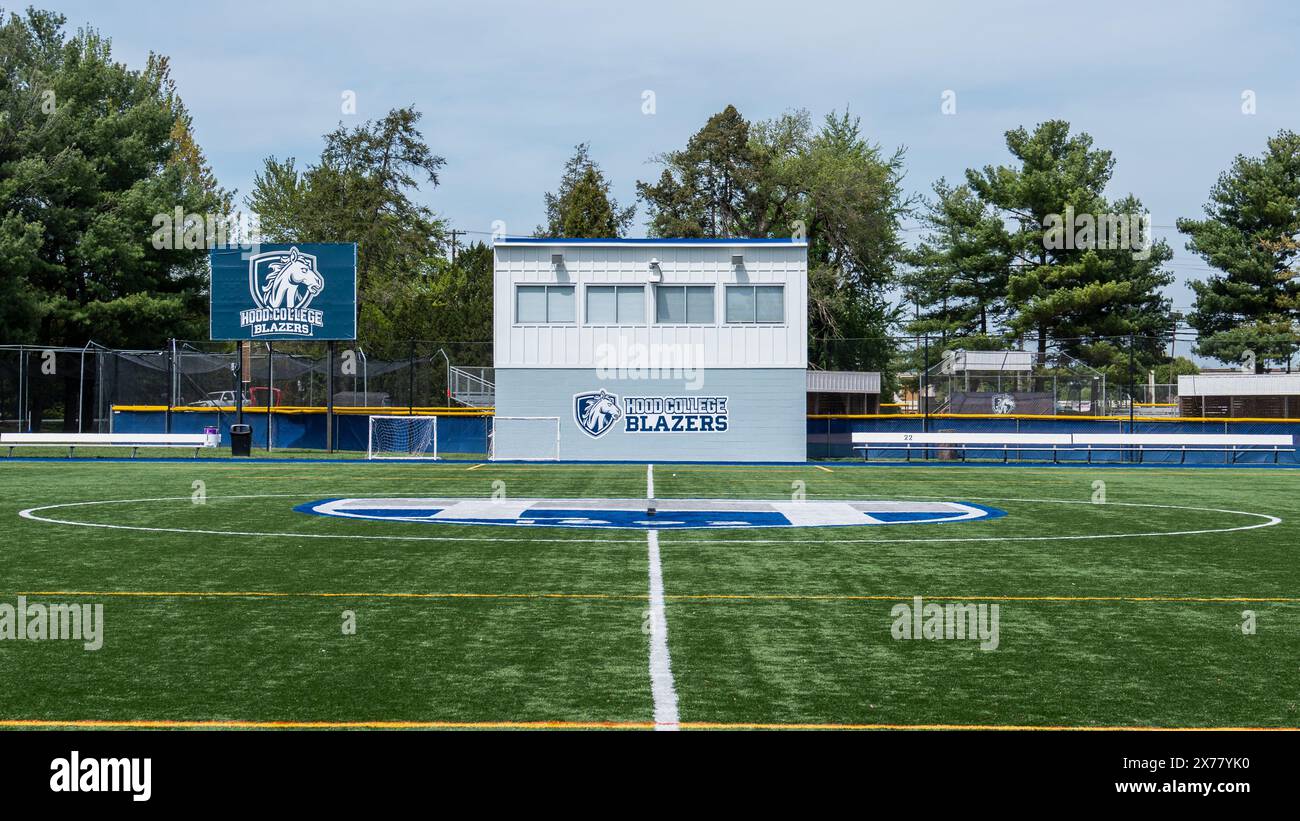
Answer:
(241, 440)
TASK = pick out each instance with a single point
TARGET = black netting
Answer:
(205, 374)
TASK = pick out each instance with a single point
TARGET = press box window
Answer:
(684, 304)
(615, 305)
(755, 304)
(544, 304)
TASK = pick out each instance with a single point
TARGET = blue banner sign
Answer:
(276, 292)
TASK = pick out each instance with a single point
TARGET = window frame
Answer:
(618, 320)
(754, 288)
(546, 300)
(685, 286)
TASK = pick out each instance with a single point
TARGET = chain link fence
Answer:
(76, 389)
(1096, 376)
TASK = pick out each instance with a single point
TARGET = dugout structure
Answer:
(1240, 395)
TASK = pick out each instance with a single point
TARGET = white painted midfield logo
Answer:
(77, 774)
(672, 514)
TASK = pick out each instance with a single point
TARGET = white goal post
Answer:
(525, 438)
(402, 437)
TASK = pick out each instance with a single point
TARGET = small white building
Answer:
(651, 350)
(843, 392)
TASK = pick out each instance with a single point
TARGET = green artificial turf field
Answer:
(1103, 621)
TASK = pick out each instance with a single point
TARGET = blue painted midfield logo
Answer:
(596, 412)
(671, 514)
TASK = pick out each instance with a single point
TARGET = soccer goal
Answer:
(402, 437)
(525, 438)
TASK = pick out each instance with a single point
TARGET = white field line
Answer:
(33, 514)
(1269, 521)
(661, 671)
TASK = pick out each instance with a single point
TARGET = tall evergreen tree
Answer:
(958, 279)
(1087, 295)
(1249, 233)
(710, 188)
(582, 206)
(94, 157)
(91, 152)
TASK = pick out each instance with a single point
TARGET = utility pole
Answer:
(924, 384)
(454, 234)
(329, 396)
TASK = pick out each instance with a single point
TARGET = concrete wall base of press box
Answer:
(765, 421)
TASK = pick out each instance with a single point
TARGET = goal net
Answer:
(531, 438)
(402, 437)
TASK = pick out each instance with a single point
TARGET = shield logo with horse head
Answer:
(1004, 403)
(284, 279)
(596, 412)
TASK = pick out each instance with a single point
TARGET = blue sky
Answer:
(508, 88)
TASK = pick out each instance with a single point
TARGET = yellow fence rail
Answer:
(462, 411)
(293, 409)
(1063, 417)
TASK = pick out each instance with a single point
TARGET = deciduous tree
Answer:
(362, 190)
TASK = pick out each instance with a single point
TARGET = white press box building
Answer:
(642, 350)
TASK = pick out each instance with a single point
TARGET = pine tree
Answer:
(1249, 311)
(582, 206)
(1065, 283)
(958, 278)
(92, 155)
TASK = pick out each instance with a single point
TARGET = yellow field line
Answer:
(476, 467)
(819, 467)
(144, 724)
(683, 597)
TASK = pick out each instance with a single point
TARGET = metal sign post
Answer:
(329, 396)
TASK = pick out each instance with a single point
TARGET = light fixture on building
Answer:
(557, 261)
(656, 273)
(737, 261)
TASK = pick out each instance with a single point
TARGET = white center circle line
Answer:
(32, 514)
